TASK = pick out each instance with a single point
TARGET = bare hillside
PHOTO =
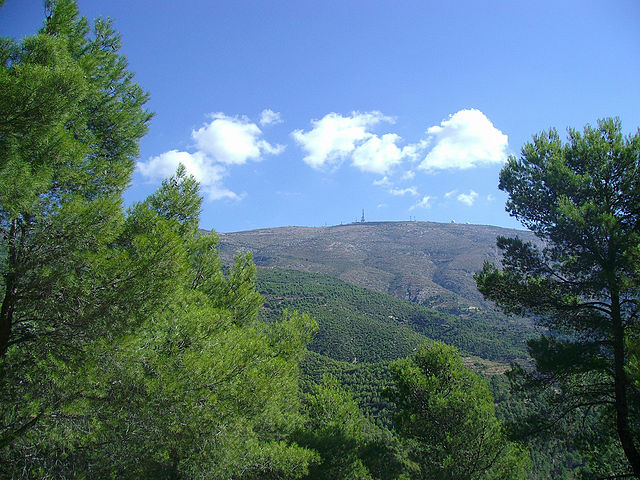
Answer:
(424, 262)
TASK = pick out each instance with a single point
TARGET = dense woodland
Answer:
(382, 327)
(128, 350)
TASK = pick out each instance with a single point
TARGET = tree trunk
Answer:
(6, 315)
(8, 302)
(621, 403)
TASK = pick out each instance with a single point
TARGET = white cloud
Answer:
(335, 138)
(467, 139)
(404, 191)
(232, 140)
(220, 143)
(424, 203)
(269, 117)
(197, 164)
(468, 198)
(414, 150)
(378, 154)
(490, 198)
(450, 194)
(383, 182)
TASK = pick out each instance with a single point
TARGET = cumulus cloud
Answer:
(333, 137)
(269, 117)
(468, 198)
(220, 143)
(336, 138)
(424, 203)
(466, 139)
(232, 140)
(378, 154)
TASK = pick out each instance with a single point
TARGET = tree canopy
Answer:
(446, 414)
(70, 121)
(582, 281)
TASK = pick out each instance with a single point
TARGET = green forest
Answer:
(383, 327)
(128, 350)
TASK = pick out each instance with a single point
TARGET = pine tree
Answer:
(446, 415)
(582, 284)
(70, 121)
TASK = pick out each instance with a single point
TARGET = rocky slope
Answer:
(425, 262)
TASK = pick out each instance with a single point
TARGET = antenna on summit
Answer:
(362, 219)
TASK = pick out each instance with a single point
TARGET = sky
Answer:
(304, 112)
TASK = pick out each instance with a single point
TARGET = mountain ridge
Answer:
(425, 262)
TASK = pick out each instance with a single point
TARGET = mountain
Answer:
(424, 262)
(377, 290)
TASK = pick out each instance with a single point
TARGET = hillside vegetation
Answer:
(359, 325)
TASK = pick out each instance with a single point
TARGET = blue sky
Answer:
(306, 112)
